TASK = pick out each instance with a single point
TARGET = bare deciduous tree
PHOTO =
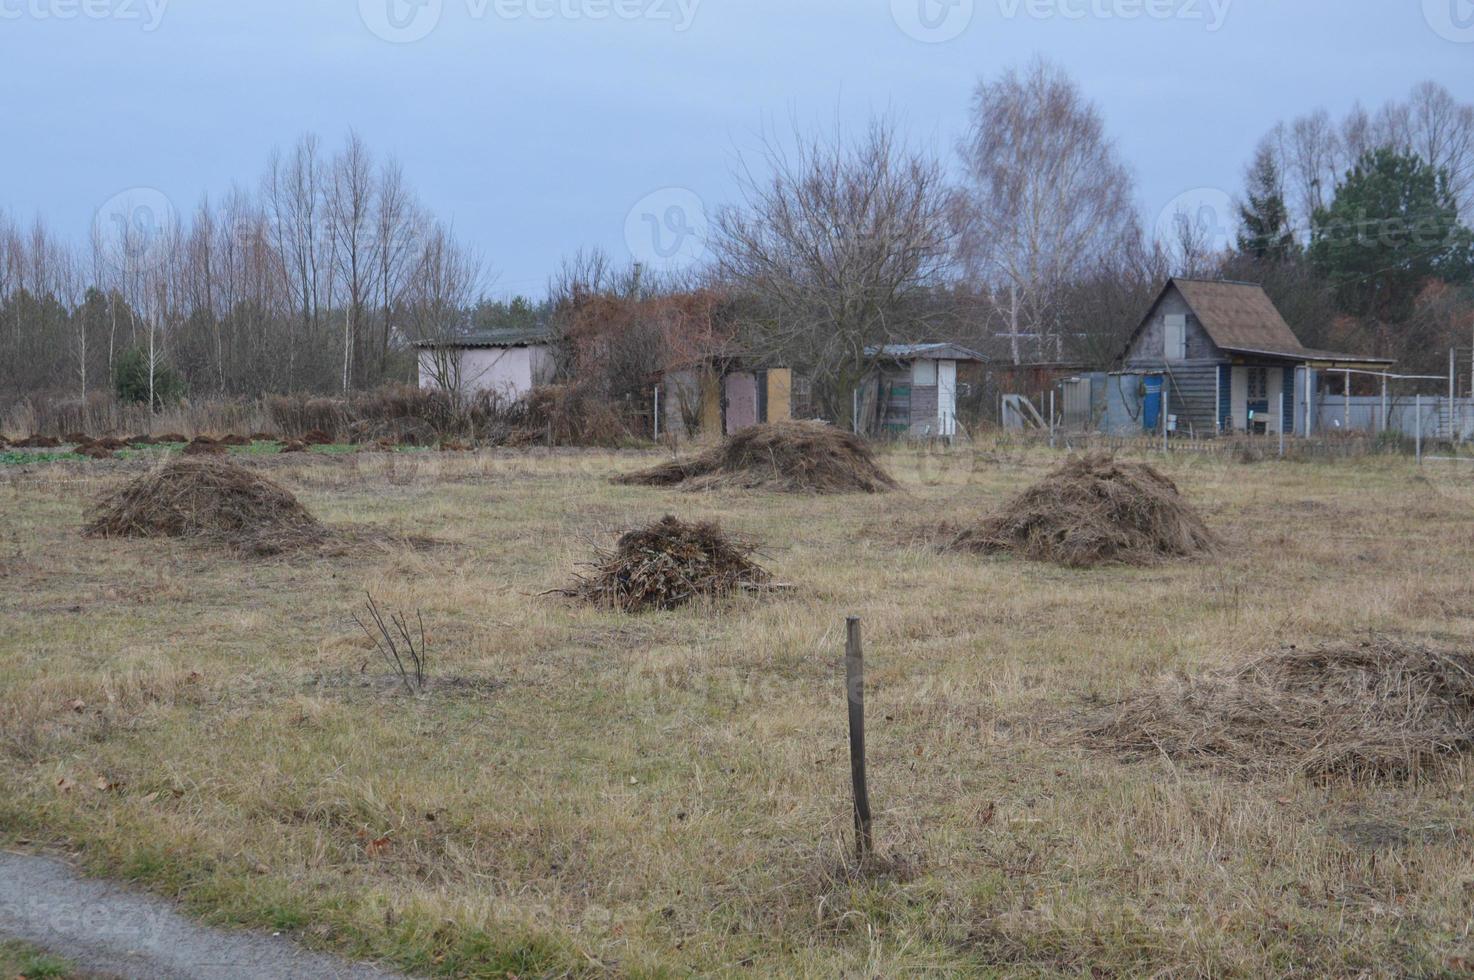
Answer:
(1046, 198)
(836, 246)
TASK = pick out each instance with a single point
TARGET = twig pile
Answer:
(793, 457)
(1092, 511)
(209, 499)
(668, 564)
(1383, 710)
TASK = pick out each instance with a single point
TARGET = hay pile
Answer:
(1386, 709)
(211, 500)
(668, 564)
(793, 457)
(1092, 511)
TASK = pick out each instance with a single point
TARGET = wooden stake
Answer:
(854, 669)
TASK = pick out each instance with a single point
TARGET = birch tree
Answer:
(1045, 199)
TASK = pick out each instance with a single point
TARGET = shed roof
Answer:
(505, 337)
(925, 352)
(1239, 317)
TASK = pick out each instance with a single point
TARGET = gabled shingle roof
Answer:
(1239, 317)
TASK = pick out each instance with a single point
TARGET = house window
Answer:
(1258, 384)
(924, 373)
(1176, 337)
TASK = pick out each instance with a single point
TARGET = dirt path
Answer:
(111, 930)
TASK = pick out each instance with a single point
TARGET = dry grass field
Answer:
(581, 792)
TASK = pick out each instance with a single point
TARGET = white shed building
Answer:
(507, 363)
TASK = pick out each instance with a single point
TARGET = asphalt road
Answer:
(108, 929)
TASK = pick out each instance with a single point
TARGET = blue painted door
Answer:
(1151, 402)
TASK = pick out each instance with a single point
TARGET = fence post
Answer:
(1418, 427)
(1051, 418)
(854, 670)
(657, 413)
(1166, 409)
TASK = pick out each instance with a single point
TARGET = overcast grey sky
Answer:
(538, 126)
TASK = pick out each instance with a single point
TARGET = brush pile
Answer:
(1094, 510)
(210, 500)
(668, 564)
(1384, 709)
(790, 457)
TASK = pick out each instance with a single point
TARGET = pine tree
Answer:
(1392, 227)
(1265, 232)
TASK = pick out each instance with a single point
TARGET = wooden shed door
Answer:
(946, 398)
(741, 391)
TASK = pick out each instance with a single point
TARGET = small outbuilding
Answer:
(725, 397)
(914, 389)
(1216, 356)
(508, 362)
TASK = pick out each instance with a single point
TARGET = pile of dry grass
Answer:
(1385, 709)
(211, 500)
(668, 564)
(1092, 511)
(794, 457)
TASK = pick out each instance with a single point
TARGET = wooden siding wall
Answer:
(1150, 346)
(1193, 397)
(923, 404)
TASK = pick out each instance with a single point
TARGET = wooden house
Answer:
(1215, 356)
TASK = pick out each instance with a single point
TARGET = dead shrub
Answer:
(565, 415)
(1094, 510)
(1381, 709)
(211, 500)
(667, 564)
(794, 457)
